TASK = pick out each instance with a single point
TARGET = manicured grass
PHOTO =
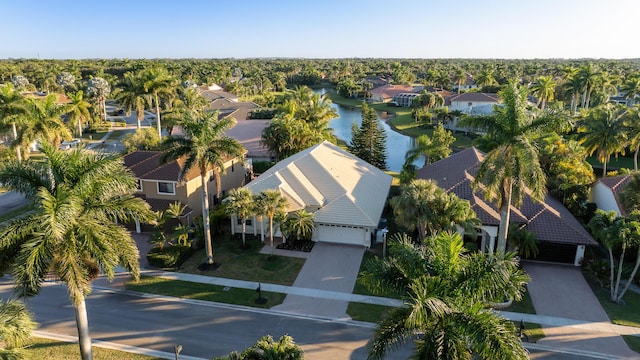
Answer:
(249, 264)
(59, 350)
(206, 292)
(533, 331)
(633, 342)
(612, 164)
(94, 136)
(359, 287)
(367, 312)
(628, 314)
(524, 306)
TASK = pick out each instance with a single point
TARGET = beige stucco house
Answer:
(345, 194)
(159, 183)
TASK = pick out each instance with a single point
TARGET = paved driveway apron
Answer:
(11, 200)
(560, 290)
(329, 267)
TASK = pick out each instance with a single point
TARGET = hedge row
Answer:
(169, 257)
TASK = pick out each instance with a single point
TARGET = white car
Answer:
(66, 145)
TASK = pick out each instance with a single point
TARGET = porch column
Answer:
(233, 224)
(262, 231)
(138, 225)
(255, 228)
(483, 243)
(579, 255)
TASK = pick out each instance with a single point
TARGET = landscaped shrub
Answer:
(169, 257)
(297, 245)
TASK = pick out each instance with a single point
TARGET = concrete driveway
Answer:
(562, 291)
(331, 267)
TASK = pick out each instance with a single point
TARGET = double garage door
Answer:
(342, 235)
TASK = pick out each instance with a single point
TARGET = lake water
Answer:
(397, 144)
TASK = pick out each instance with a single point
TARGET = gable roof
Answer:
(616, 184)
(338, 187)
(389, 91)
(550, 221)
(146, 165)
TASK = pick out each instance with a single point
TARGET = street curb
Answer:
(115, 346)
(568, 351)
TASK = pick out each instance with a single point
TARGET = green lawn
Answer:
(249, 264)
(59, 350)
(524, 306)
(633, 342)
(533, 331)
(628, 314)
(367, 312)
(206, 292)
(612, 164)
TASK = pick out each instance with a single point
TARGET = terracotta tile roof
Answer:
(616, 184)
(60, 98)
(389, 91)
(550, 221)
(146, 165)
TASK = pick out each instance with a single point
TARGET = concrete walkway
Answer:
(562, 291)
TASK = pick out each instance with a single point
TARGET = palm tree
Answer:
(11, 107)
(271, 203)
(206, 148)
(72, 233)
(427, 208)
(486, 77)
(78, 111)
(99, 89)
(240, 202)
(631, 88)
(589, 77)
(159, 84)
(300, 224)
(459, 77)
(601, 131)
(513, 166)
(16, 325)
(132, 96)
(43, 121)
(445, 293)
(189, 99)
(544, 89)
(632, 129)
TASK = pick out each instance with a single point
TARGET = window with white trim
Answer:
(167, 188)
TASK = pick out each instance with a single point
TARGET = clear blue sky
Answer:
(319, 29)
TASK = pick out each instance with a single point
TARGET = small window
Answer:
(166, 188)
(247, 222)
(470, 103)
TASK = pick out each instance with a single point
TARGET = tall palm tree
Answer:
(241, 203)
(513, 166)
(631, 88)
(601, 131)
(16, 325)
(206, 148)
(445, 293)
(159, 84)
(99, 89)
(188, 99)
(11, 107)
(459, 77)
(72, 234)
(78, 111)
(486, 77)
(43, 121)
(427, 208)
(132, 95)
(589, 76)
(270, 203)
(544, 89)
(632, 129)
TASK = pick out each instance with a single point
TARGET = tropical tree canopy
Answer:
(16, 325)
(513, 165)
(369, 141)
(446, 292)
(427, 208)
(72, 232)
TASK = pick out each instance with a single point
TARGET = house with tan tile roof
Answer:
(345, 194)
(159, 184)
(561, 236)
(605, 193)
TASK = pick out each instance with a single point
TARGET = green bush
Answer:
(169, 257)
(261, 166)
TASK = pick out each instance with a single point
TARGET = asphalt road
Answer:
(11, 200)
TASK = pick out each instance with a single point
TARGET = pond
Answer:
(397, 143)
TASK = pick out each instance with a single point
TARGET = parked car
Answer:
(66, 145)
(117, 112)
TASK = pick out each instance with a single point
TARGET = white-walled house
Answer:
(472, 103)
(346, 194)
(605, 192)
(561, 237)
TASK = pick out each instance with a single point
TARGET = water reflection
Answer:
(397, 144)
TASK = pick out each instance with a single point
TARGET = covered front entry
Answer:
(342, 234)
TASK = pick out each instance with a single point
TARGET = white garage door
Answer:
(342, 235)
